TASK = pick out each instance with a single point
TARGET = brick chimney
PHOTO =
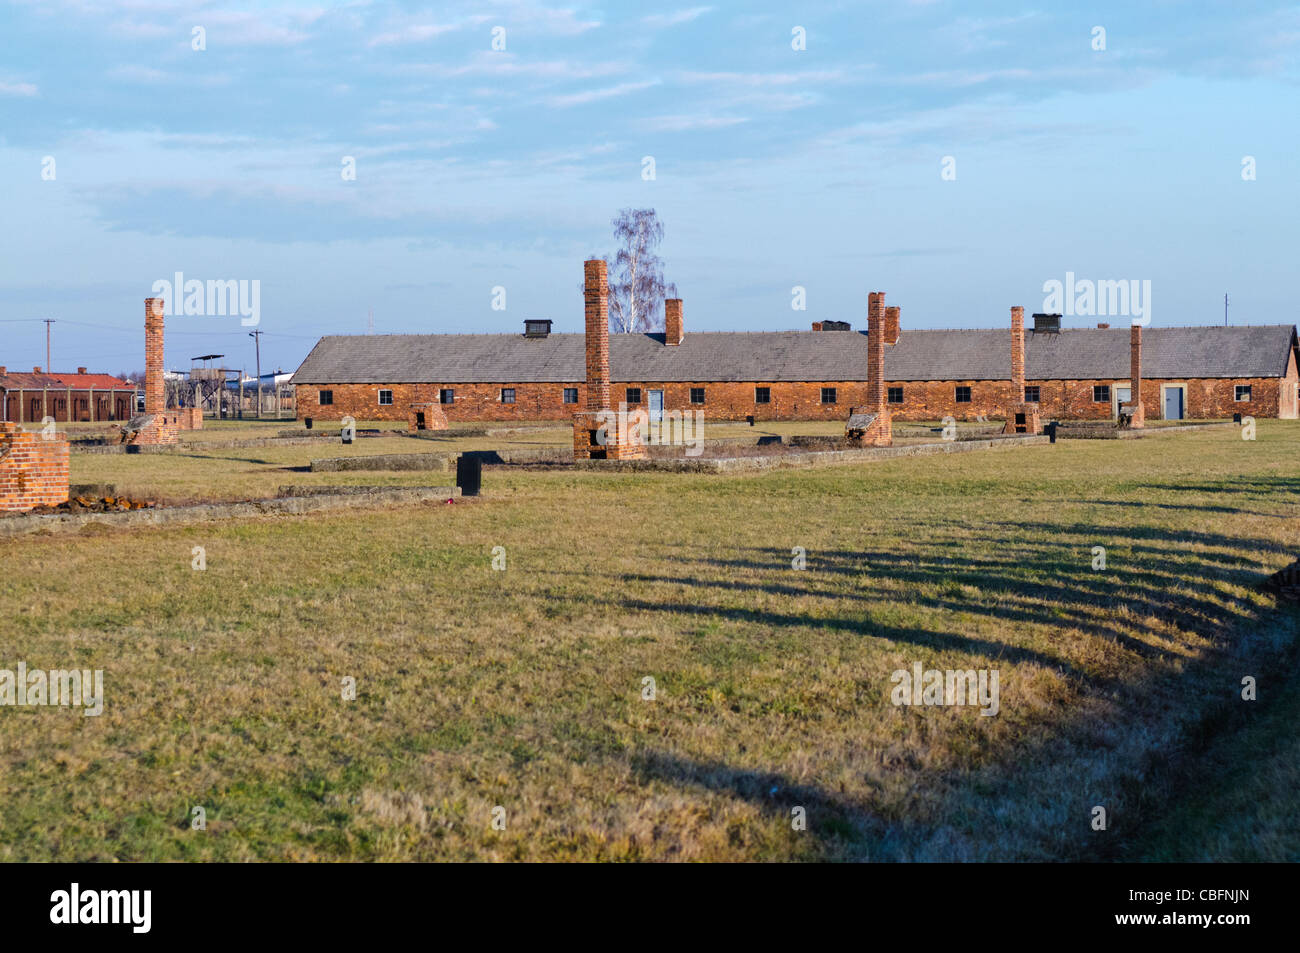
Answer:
(596, 306)
(155, 401)
(81, 370)
(1137, 418)
(3, 370)
(1103, 325)
(893, 324)
(674, 331)
(1017, 354)
(36, 369)
(816, 325)
(876, 352)
(1022, 415)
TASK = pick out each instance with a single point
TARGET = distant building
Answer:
(30, 398)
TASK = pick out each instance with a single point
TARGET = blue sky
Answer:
(774, 167)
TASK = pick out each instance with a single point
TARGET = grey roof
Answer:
(1085, 353)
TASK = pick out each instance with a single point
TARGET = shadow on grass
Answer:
(1160, 583)
(834, 821)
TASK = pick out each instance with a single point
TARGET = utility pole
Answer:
(48, 322)
(1225, 309)
(257, 341)
(370, 322)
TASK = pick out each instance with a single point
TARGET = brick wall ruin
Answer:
(33, 468)
(426, 415)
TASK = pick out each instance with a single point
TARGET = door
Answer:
(656, 407)
(1174, 403)
(1122, 396)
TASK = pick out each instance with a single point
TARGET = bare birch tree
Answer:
(636, 275)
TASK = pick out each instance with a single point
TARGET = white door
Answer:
(656, 406)
(1121, 396)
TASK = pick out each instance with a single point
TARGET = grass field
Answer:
(523, 688)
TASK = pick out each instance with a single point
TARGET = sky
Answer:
(956, 155)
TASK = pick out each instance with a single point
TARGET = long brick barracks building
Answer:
(29, 398)
(1072, 373)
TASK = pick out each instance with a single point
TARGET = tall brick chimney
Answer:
(155, 401)
(596, 306)
(1017, 354)
(673, 328)
(1022, 415)
(876, 351)
(893, 324)
(599, 434)
(1137, 415)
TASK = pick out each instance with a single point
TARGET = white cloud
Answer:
(595, 95)
(766, 79)
(135, 73)
(17, 89)
(661, 20)
(685, 123)
(488, 63)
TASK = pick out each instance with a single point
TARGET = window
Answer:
(570, 395)
(828, 395)
(1242, 392)
(507, 395)
(385, 397)
(963, 395)
(634, 395)
(1031, 395)
(1101, 393)
(325, 398)
(762, 395)
(697, 395)
(447, 396)
(895, 395)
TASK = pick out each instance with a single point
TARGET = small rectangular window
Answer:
(1242, 392)
(697, 395)
(634, 395)
(762, 395)
(1101, 393)
(828, 395)
(385, 397)
(1031, 395)
(507, 395)
(325, 398)
(570, 395)
(447, 396)
(895, 395)
(963, 395)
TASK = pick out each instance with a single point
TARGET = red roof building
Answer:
(81, 396)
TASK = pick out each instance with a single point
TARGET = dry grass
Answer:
(522, 688)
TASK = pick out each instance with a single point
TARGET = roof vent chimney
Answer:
(537, 328)
(1047, 323)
